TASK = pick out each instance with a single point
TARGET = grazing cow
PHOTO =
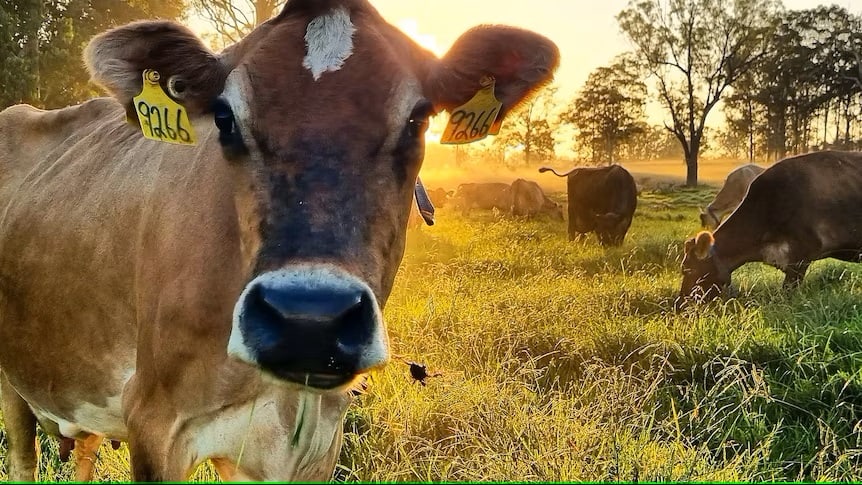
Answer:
(529, 200)
(440, 196)
(730, 195)
(485, 196)
(601, 200)
(801, 209)
(218, 301)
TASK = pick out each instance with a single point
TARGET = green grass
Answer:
(563, 361)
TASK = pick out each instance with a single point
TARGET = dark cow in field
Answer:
(219, 300)
(484, 196)
(529, 200)
(731, 194)
(601, 200)
(801, 209)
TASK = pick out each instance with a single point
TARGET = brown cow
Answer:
(440, 196)
(731, 194)
(196, 301)
(601, 200)
(483, 196)
(801, 209)
(529, 200)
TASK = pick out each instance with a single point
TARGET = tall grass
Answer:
(563, 361)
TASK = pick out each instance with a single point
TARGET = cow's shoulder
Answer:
(26, 120)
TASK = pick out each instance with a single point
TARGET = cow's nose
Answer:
(319, 331)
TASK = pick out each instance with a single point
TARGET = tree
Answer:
(653, 142)
(695, 49)
(608, 111)
(233, 19)
(806, 85)
(742, 114)
(527, 128)
(38, 37)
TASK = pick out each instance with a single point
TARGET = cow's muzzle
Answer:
(314, 325)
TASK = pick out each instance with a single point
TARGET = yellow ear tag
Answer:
(474, 119)
(162, 118)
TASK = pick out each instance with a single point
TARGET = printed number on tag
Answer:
(162, 118)
(475, 119)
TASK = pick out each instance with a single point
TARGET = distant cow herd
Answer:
(600, 200)
(801, 209)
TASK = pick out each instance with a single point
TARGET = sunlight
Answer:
(410, 26)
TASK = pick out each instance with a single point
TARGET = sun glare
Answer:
(410, 26)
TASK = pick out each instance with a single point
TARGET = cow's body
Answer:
(600, 200)
(197, 301)
(483, 196)
(801, 209)
(731, 194)
(529, 200)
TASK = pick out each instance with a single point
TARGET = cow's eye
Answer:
(228, 131)
(224, 119)
(417, 124)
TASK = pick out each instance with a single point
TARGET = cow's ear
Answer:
(688, 246)
(520, 62)
(703, 244)
(188, 71)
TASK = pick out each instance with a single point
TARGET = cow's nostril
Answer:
(351, 334)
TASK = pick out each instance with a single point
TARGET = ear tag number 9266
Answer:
(474, 119)
(162, 118)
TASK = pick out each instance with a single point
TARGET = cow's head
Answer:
(321, 114)
(611, 228)
(554, 209)
(708, 219)
(703, 278)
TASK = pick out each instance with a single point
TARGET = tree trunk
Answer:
(691, 171)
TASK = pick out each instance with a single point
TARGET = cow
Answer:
(601, 200)
(484, 196)
(217, 296)
(440, 196)
(529, 200)
(799, 210)
(730, 195)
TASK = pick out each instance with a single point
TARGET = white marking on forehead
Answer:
(329, 42)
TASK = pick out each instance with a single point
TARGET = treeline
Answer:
(804, 93)
(41, 43)
(787, 82)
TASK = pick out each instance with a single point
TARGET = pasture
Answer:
(562, 361)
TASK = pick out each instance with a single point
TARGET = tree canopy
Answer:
(694, 50)
(41, 43)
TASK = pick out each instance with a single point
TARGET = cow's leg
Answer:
(154, 455)
(794, 273)
(85, 452)
(20, 433)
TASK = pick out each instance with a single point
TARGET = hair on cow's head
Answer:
(702, 244)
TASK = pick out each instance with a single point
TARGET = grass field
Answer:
(563, 361)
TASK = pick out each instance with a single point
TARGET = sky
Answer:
(585, 30)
